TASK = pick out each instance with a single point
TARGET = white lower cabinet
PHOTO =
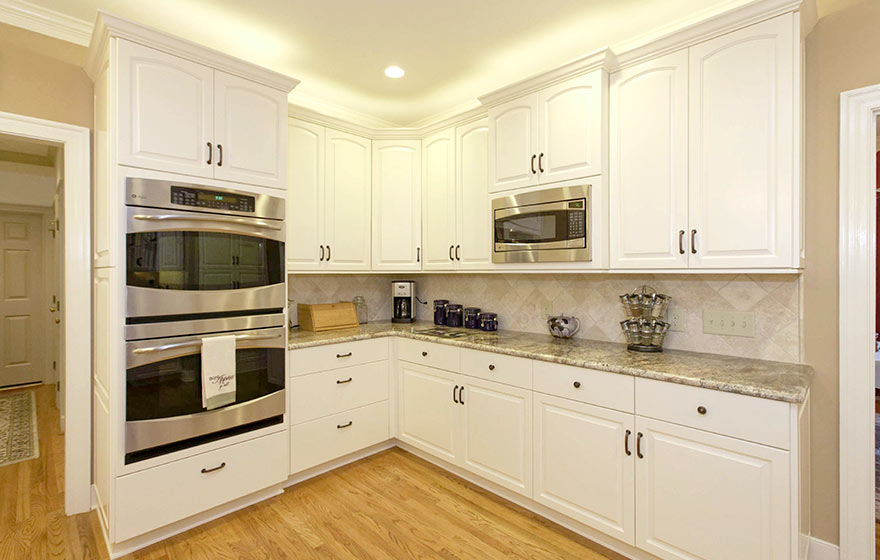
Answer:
(429, 416)
(584, 464)
(701, 495)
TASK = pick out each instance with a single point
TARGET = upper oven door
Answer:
(184, 263)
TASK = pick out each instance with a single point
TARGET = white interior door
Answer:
(347, 202)
(305, 192)
(438, 184)
(473, 217)
(648, 195)
(23, 340)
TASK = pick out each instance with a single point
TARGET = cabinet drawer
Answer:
(335, 356)
(319, 441)
(429, 354)
(497, 367)
(749, 418)
(330, 392)
(611, 390)
(156, 497)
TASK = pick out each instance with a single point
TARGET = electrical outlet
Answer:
(675, 318)
(730, 323)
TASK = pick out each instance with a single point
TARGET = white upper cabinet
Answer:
(648, 194)
(438, 201)
(397, 208)
(473, 247)
(513, 137)
(573, 120)
(183, 117)
(250, 129)
(166, 112)
(347, 201)
(305, 195)
(556, 134)
(743, 169)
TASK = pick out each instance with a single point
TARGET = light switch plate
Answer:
(675, 318)
(730, 323)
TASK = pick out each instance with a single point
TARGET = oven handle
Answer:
(222, 219)
(197, 343)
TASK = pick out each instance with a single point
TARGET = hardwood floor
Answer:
(389, 506)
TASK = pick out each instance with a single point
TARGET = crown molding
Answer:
(45, 21)
(599, 59)
(109, 25)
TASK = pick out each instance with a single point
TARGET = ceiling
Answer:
(452, 50)
(16, 149)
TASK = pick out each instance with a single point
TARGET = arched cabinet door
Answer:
(397, 205)
(438, 201)
(744, 178)
(347, 201)
(513, 136)
(305, 195)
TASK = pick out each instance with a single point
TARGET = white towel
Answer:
(218, 371)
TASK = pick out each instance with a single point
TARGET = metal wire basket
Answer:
(644, 327)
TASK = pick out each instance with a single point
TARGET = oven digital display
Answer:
(201, 198)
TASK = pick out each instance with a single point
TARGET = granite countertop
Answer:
(779, 381)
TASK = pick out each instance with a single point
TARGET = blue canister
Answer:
(489, 321)
(440, 311)
(454, 315)
(472, 317)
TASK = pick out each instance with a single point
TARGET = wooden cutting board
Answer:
(319, 317)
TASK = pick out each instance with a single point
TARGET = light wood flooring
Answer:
(389, 506)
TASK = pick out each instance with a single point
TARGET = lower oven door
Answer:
(163, 392)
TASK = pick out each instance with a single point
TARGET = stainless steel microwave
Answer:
(549, 225)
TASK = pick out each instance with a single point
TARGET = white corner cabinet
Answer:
(557, 133)
(328, 201)
(676, 471)
(397, 205)
(456, 221)
(185, 117)
(705, 154)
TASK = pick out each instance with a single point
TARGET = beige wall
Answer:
(842, 54)
(43, 77)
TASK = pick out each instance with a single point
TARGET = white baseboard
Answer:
(821, 550)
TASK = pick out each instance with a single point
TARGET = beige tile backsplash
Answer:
(523, 301)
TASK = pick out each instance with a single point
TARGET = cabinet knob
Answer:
(701, 409)
(424, 354)
(577, 384)
(491, 367)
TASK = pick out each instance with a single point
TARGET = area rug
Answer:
(18, 428)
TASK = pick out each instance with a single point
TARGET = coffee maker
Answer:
(403, 299)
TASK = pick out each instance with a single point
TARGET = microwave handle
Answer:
(196, 343)
(222, 219)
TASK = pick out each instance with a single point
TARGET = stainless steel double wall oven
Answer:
(200, 261)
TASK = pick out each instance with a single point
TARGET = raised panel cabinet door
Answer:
(305, 195)
(473, 216)
(250, 128)
(513, 138)
(438, 201)
(572, 120)
(584, 464)
(648, 195)
(429, 413)
(397, 206)
(165, 112)
(347, 201)
(497, 433)
(742, 147)
(703, 495)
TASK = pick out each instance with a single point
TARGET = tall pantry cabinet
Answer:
(168, 109)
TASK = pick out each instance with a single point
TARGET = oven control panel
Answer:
(212, 200)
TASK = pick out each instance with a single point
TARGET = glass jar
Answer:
(362, 311)
(454, 315)
(440, 311)
(489, 322)
(472, 317)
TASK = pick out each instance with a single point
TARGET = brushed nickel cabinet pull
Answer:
(639, 445)
(214, 469)
(348, 355)
(340, 382)
(681, 242)
(210, 153)
(626, 443)
(340, 426)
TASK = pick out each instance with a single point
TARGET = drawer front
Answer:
(749, 418)
(153, 498)
(497, 367)
(329, 392)
(429, 354)
(335, 356)
(601, 388)
(319, 441)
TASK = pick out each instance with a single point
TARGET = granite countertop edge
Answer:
(795, 395)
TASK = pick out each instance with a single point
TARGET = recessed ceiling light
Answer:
(394, 72)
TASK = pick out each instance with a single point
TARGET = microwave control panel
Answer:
(577, 219)
(212, 200)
